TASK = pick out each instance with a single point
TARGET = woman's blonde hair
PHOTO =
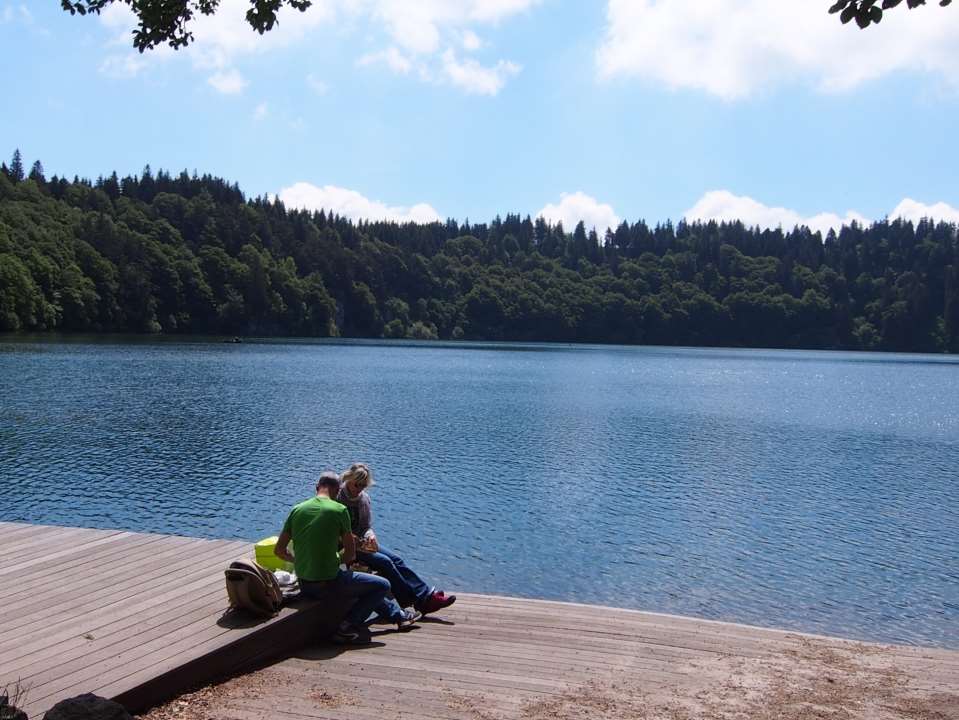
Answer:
(358, 473)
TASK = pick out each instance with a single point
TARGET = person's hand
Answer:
(370, 544)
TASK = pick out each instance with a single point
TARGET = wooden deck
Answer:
(496, 658)
(137, 617)
(130, 616)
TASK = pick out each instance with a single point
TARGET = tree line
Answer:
(164, 253)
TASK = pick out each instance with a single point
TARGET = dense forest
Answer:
(163, 253)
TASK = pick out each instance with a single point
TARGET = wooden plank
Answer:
(100, 620)
(622, 645)
(55, 560)
(37, 543)
(118, 636)
(184, 621)
(438, 638)
(521, 607)
(337, 673)
(464, 659)
(659, 627)
(89, 572)
(113, 592)
(142, 559)
(110, 607)
(82, 556)
(16, 530)
(556, 660)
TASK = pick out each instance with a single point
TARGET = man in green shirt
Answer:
(317, 527)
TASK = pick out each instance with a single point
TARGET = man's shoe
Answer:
(408, 618)
(437, 601)
(347, 634)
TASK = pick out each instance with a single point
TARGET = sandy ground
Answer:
(811, 679)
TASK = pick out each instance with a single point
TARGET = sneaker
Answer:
(408, 618)
(347, 634)
(437, 601)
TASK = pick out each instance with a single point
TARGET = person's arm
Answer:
(348, 554)
(281, 550)
(365, 524)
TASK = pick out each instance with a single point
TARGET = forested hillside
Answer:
(188, 254)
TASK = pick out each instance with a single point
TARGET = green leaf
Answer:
(838, 5)
(848, 14)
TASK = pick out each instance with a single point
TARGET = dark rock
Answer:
(87, 707)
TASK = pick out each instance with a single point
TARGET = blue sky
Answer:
(602, 111)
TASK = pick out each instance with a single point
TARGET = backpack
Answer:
(253, 588)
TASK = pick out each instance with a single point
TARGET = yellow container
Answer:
(265, 555)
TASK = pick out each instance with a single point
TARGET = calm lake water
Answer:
(805, 490)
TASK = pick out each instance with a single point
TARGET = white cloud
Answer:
(261, 111)
(722, 205)
(914, 211)
(228, 82)
(577, 206)
(417, 33)
(20, 14)
(393, 58)
(317, 85)
(221, 39)
(419, 26)
(732, 48)
(471, 41)
(351, 204)
(121, 66)
(471, 76)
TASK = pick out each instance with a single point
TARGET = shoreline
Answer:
(160, 338)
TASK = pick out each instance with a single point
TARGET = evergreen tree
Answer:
(16, 167)
(36, 174)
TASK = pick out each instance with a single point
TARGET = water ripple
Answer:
(814, 491)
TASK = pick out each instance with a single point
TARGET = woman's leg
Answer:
(408, 587)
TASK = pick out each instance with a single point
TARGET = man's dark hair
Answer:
(329, 480)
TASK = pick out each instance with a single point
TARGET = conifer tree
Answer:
(16, 167)
(36, 173)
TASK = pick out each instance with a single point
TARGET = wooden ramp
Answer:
(131, 616)
(498, 658)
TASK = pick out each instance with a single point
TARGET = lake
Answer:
(811, 491)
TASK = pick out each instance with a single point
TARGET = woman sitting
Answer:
(408, 588)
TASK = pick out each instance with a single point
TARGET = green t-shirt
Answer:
(316, 526)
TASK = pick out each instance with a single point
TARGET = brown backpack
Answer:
(253, 588)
